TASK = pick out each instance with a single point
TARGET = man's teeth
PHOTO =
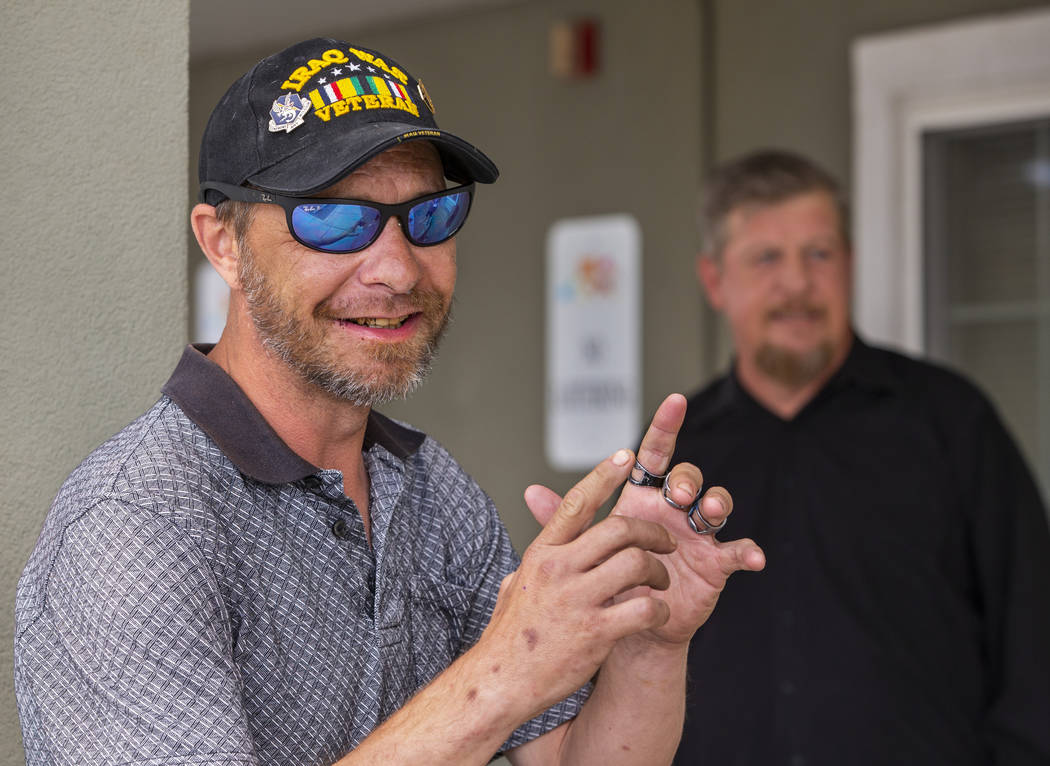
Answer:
(380, 321)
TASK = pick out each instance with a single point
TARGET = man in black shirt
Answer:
(904, 616)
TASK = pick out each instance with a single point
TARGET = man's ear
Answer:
(218, 242)
(709, 275)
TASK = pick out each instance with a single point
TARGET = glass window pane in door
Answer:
(987, 269)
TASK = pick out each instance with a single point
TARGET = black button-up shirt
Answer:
(904, 615)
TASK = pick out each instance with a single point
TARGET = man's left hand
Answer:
(700, 566)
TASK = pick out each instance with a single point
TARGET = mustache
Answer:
(797, 306)
(427, 302)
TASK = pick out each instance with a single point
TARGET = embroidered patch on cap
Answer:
(352, 94)
(288, 113)
(335, 84)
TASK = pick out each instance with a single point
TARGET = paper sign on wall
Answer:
(593, 396)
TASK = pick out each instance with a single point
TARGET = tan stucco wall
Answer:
(92, 203)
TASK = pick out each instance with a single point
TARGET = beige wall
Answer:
(94, 286)
(628, 141)
(783, 71)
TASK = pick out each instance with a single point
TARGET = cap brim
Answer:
(319, 165)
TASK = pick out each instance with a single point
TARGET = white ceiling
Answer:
(219, 27)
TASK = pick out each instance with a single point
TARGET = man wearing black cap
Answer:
(261, 569)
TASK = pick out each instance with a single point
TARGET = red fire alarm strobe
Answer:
(574, 48)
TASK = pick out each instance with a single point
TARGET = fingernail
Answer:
(621, 457)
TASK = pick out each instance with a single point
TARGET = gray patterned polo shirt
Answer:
(201, 594)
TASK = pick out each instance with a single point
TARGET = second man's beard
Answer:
(794, 369)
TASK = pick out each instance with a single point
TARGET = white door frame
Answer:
(965, 74)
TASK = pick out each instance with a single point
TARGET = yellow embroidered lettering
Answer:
(334, 56)
(371, 102)
(362, 55)
(340, 107)
(355, 103)
(324, 113)
(296, 80)
(399, 75)
(386, 102)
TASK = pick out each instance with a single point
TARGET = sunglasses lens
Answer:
(335, 228)
(438, 219)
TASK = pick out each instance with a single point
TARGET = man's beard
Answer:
(398, 368)
(791, 368)
(794, 369)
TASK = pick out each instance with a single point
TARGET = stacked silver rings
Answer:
(643, 477)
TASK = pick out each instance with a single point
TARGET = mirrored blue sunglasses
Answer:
(348, 225)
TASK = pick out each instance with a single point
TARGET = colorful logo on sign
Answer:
(593, 277)
(596, 275)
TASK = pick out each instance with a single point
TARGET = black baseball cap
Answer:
(303, 118)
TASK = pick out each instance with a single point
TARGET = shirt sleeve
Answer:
(127, 655)
(1011, 545)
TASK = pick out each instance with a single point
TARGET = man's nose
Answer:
(391, 260)
(795, 274)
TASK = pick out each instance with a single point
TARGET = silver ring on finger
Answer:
(643, 477)
(706, 527)
(667, 498)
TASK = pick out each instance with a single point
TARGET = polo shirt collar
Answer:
(212, 400)
(864, 367)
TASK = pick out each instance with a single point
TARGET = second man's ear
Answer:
(709, 275)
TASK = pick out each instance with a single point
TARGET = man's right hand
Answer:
(554, 624)
(555, 621)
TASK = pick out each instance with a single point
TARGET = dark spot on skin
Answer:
(495, 668)
(472, 694)
(531, 637)
(625, 747)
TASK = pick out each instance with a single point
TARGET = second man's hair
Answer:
(761, 178)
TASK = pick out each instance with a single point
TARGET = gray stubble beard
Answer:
(298, 346)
